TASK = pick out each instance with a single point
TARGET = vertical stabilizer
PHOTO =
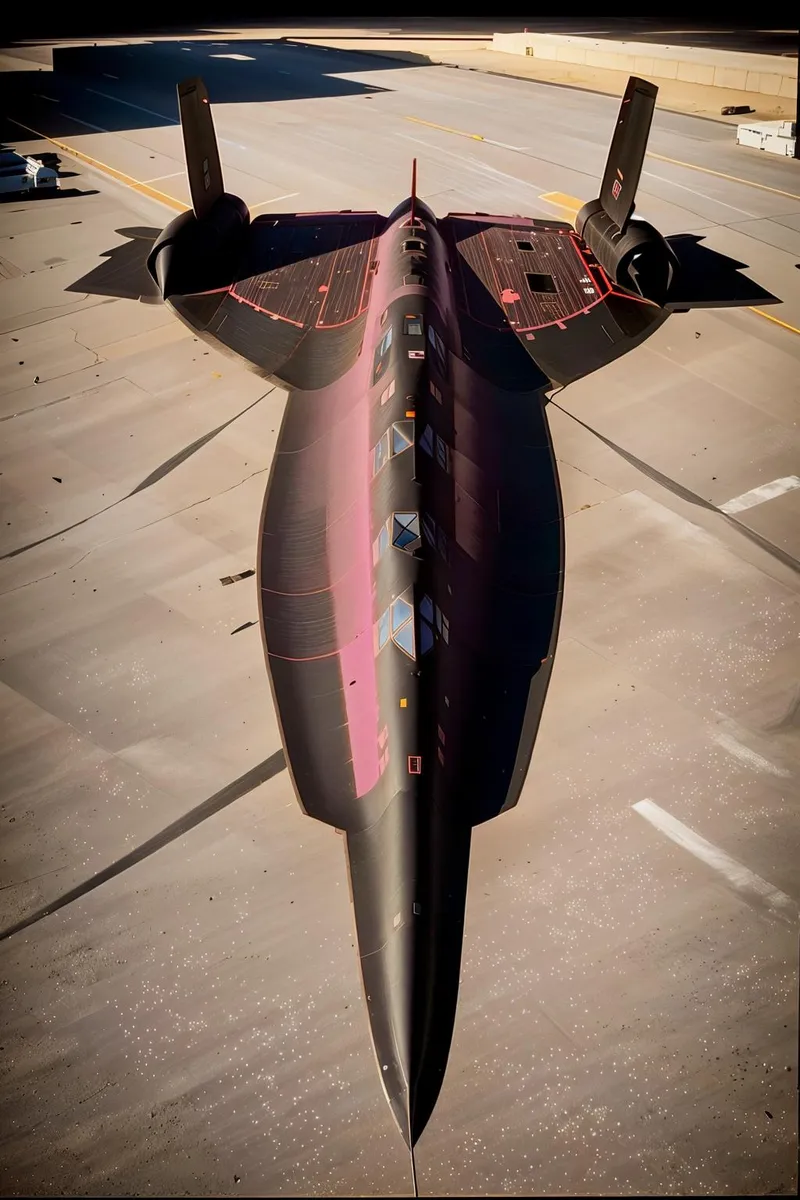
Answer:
(200, 146)
(628, 147)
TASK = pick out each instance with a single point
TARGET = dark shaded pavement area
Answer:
(735, 33)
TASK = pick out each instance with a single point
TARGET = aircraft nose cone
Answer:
(412, 1020)
(409, 894)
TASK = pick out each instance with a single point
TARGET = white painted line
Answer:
(128, 104)
(474, 166)
(701, 195)
(106, 74)
(465, 162)
(767, 491)
(88, 124)
(737, 875)
(748, 756)
(172, 175)
(236, 57)
(274, 200)
(41, 96)
(505, 145)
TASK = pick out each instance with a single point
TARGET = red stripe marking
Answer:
(487, 252)
(603, 286)
(266, 311)
(373, 244)
(633, 296)
(307, 658)
(336, 253)
(362, 306)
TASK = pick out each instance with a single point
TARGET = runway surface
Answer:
(192, 1022)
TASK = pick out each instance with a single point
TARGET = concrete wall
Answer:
(764, 73)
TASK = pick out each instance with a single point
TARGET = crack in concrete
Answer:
(23, 412)
(88, 349)
(581, 471)
(186, 507)
(32, 878)
(78, 306)
(30, 582)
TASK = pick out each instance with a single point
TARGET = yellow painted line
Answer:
(775, 320)
(136, 184)
(721, 174)
(477, 137)
(562, 200)
(764, 187)
(572, 204)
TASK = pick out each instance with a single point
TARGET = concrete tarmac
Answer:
(192, 1022)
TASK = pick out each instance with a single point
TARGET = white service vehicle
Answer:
(18, 173)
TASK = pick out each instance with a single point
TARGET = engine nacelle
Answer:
(639, 259)
(197, 256)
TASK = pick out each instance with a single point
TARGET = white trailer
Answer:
(21, 174)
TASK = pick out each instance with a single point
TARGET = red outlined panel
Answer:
(538, 277)
(309, 275)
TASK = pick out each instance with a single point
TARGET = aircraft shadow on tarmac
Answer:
(123, 272)
(141, 90)
(706, 277)
(47, 194)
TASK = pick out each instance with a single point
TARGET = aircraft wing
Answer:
(295, 307)
(536, 282)
(287, 293)
(575, 299)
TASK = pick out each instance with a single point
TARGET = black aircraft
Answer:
(411, 545)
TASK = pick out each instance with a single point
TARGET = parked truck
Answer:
(21, 174)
